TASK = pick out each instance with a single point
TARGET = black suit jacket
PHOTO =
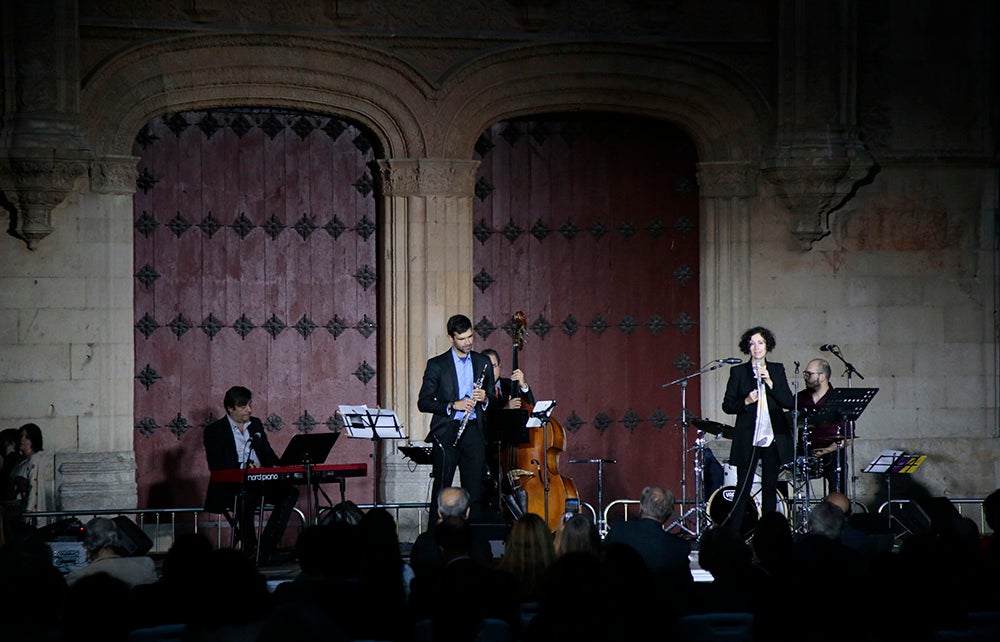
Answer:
(779, 398)
(220, 451)
(667, 556)
(440, 386)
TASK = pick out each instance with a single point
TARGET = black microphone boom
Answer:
(827, 347)
(730, 360)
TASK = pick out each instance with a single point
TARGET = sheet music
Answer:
(364, 422)
(540, 409)
(883, 461)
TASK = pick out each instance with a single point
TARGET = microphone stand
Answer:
(698, 510)
(851, 370)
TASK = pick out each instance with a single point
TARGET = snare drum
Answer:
(720, 504)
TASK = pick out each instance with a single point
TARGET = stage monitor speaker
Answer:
(346, 511)
(870, 523)
(910, 518)
(64, 530)
(133, 540)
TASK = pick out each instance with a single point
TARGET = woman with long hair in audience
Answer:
(528, 554)
(577, 532)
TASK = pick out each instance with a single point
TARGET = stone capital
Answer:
(727, 179)
(113, 175)
(38, 185)
(814, 180)
(427, 177)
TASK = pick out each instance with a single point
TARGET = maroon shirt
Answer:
(823, 434)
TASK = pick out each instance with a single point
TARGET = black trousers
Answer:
(468, 457)
(743, 515)
(282, 497)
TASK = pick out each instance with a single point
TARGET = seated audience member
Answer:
(231, 603)
(577, 533)
(667, 556)
(867, 545)
(86, 616)
(27, 575)
(473, 591)
(168, 600)
(821, 553)
(574, 586)
(385, 577)
(729, 559)
(103, 543)
(453, 501)
(528, 554)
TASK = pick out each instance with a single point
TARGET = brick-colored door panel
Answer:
(589, 225)
(254, 265)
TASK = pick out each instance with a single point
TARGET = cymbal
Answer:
(714, 427)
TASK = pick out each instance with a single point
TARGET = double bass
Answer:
(530, 470)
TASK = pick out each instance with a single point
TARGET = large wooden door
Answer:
(254, 265)
(589, 224)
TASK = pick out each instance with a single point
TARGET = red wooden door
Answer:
(589, 224)
(254, 265)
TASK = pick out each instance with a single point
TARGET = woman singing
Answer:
(758, 393)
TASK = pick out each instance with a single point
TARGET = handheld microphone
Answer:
(730, 360)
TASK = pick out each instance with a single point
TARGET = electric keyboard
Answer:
(319, 474)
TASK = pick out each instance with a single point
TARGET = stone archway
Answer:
(426, 133)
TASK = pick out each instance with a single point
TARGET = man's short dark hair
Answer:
(236, 396)
(458, 324)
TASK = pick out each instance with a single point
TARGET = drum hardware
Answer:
(699, 511)
(801, 474)
(602, 524)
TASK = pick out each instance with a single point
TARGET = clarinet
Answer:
(465, 420)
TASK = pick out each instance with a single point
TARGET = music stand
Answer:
(419, 455)
(307, 450)
(889, 462)
(843, 404)
(362, 422)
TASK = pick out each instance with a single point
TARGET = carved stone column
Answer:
(818, 160)
(426, 260)
(102, 476)
(42, 150)
(727, 190)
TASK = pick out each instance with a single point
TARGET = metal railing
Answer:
(971, 507)
(162, 525)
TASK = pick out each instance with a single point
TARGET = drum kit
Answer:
(720, 503)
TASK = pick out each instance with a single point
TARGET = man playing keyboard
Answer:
(239, 441)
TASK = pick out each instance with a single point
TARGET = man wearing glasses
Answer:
(828, 440)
